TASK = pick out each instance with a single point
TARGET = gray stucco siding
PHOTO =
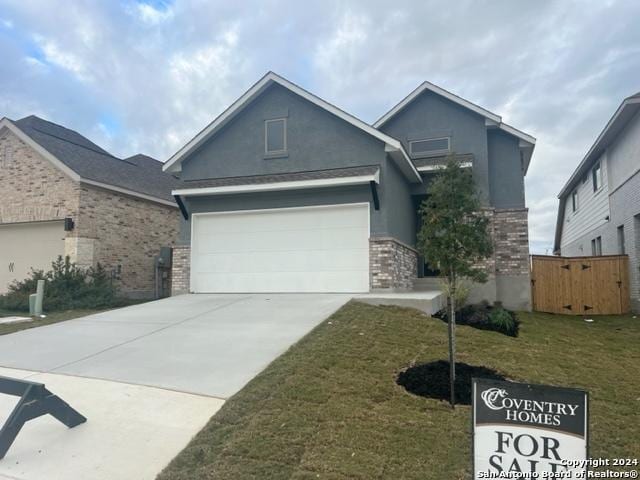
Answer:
(399, 215)
(505, 171)
(430, 116)
(316, 140)
(282, 199)
(395, 218)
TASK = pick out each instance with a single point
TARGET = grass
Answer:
(330, 407)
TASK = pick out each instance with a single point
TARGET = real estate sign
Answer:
(528, 431)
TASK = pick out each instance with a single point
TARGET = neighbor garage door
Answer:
(315, 249)
(28, 245)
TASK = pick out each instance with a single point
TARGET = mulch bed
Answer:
(431, 380)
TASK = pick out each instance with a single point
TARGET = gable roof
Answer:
(625, 112)
(492, 120)
(392, 146)
(629, 107)
(86, 162)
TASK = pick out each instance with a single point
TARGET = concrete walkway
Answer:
(147, 377)
(131, 431)
(203, 344)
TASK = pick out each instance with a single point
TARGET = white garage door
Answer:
(28, 245)
(315, 249)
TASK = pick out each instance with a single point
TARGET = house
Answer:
(284, 192)
(64, 195)
(599, 210)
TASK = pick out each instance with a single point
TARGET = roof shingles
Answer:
(140, 174)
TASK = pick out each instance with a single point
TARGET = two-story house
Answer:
(599, 210)
(284, 192)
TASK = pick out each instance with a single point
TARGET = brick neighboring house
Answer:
(119, 212)
(284, 192)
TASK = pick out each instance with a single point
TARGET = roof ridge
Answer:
(143, 155)
(102, 152)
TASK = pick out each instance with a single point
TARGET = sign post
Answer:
(528, 429)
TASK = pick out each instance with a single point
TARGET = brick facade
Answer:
(180, 269)
(119, 231)
(125, 235)
(392, 264)
(32, 188)
(510, 230)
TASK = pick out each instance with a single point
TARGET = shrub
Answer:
(486, 317)
(67, 287)
(461, 293)
(504, 321)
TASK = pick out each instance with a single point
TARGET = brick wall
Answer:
(180, 269)
(511, 241)
(125, 234)
(32, 188)
(110, 228)
(392, 264)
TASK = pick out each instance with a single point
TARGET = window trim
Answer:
(622, 247)
(575, 204)
(270, 153)
(598, 167)
(596, 246)
(430, 153)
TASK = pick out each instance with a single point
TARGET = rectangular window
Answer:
(596, 247)
(275, 136)
(429, 146)
(621, 246)
(596, 177)
(574, 200)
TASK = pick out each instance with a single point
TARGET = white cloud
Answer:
(151, 15)
(554, 69)
(67, 60)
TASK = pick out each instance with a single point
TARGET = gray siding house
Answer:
(599, 210)
(284, 192)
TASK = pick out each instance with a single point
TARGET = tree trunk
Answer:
(452, 340)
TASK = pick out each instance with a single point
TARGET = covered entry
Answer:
(307, 249)
(24, 246)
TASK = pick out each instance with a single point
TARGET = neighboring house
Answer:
(599, 211)
(284, 192)
(64, 195)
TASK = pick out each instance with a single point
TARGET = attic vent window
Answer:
(275, 136)
(430, 146)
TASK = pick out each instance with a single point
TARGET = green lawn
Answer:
(54, 317)
(330, 408)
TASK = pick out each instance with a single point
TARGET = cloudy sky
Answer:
(145, 76)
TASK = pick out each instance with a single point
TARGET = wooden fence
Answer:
(580, 285)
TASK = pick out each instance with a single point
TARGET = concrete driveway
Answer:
(203, 344)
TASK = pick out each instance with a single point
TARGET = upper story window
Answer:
(275, 136)
(596, 177)
(574, 200)
(429, 146)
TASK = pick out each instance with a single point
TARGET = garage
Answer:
(26, 246)
(307, 249)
